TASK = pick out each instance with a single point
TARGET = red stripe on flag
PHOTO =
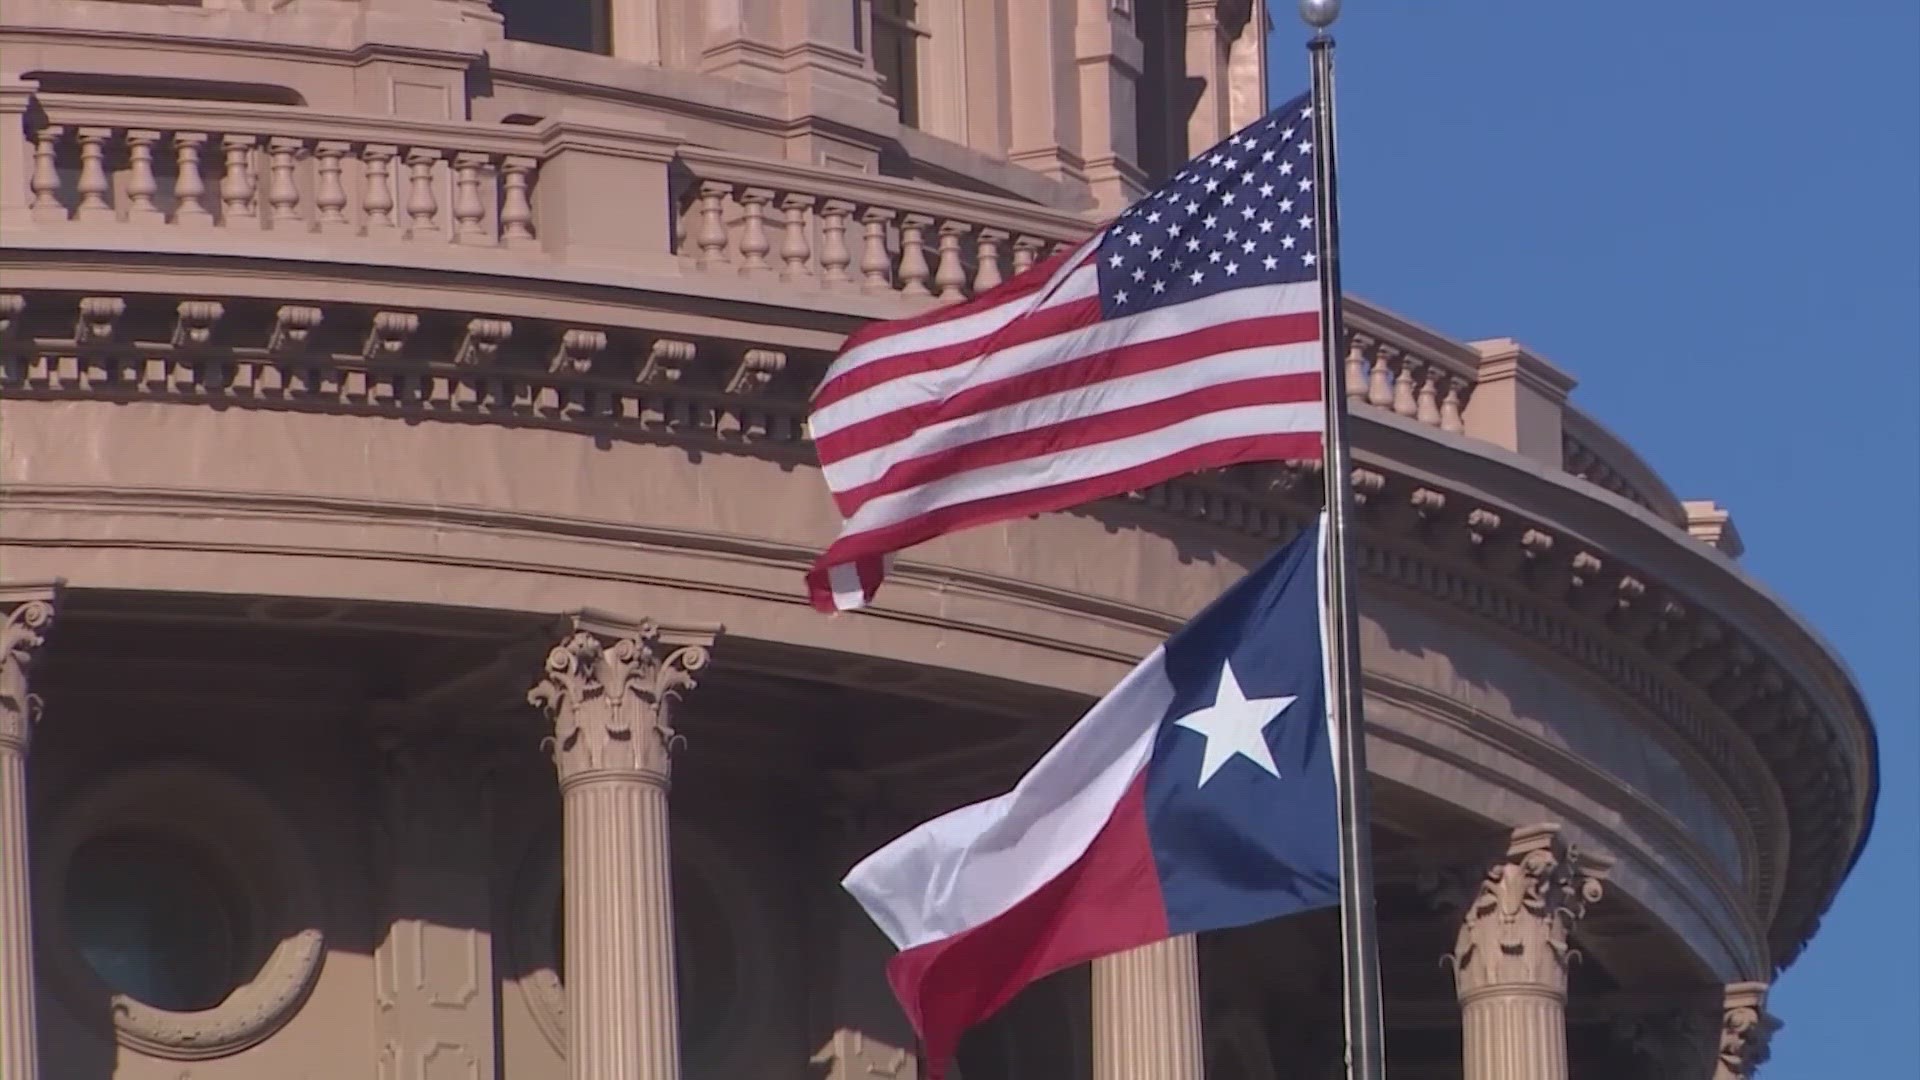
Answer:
(1025, 282)
(1279, 446)
(1108, 901)
(1082, 431)
(1030, 327)
(1129, 359)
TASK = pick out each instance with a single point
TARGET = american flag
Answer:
(1183, 336)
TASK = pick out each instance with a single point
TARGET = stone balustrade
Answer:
(274, 169)
(1429, 381)
(853, 232)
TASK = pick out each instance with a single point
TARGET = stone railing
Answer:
(1407, 370)
(836, 230)
(191, 165)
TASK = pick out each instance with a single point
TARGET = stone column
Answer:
(609, 690)
(1510, 957)
(21, 637)
(1146, 1013)
(1746, 1032)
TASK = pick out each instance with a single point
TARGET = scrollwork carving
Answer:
(194, 322)
(611, 702)
(1514, 935)
(1746, 1032)
(21, 638)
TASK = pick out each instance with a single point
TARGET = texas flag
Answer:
(1197, 795)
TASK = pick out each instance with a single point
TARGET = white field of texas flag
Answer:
(1199, 794)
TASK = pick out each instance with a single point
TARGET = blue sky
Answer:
(1710, 214)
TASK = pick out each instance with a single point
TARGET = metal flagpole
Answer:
(1366, 1054)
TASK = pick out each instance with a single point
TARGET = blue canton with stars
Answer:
(1239, 215)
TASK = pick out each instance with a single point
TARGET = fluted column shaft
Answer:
(621, 1002)
(608, 690)
(1514, 1035)
(1146, 1013)
(18, 1054)
(20, 639)
(1510, 957)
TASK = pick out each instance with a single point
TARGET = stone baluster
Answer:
(423, 205)
(1427, 409)
(986, 257)
(609, 691)
(1356, 368)
(469, 213)
(189, 186)
(754, 244)
(834, 254)
(1146, 1013)
(21, 637)
(141, 186)
(45, 183)
(712, 235)
(283, 195)
(876, 266)
(1380, 382)
(913, 255)
(93, 186)
(1511, 954)
(951, 277)
(1450, 406)
(516, 208)
(795, 251)
(379, 201)
(236, 187)
(330, 195)
(1026, 252)
(1404, 382)
(1746, 1032)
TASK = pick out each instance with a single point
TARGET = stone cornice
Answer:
(1573, 569)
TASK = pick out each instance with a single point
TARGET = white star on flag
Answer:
(1234, 725)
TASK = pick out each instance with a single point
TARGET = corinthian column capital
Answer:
(1746, 1032)
(609, 690)
(1514, 934)
(29, 616)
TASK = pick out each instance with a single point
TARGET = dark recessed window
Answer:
(155, 921)
(896, 54)
(567, 24)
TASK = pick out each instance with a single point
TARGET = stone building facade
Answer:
(404, 492)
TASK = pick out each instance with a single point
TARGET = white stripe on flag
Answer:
(1154, 325)
(1075, 403)
(1069, 283)
(1082, 463)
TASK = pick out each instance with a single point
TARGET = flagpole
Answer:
(1366, 1054)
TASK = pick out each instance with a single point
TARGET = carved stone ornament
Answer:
(1746, 1032)
(610, 702)
(1514, 935)
(21, 638)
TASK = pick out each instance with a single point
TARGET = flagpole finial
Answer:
(1319, 14)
